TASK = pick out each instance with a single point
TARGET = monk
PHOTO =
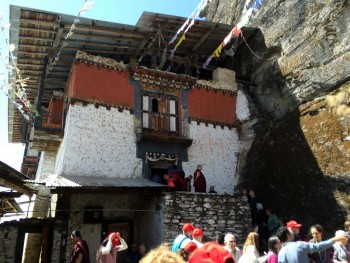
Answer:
(199, 182)
(80, 253)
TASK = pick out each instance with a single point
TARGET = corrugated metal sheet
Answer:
(68, 181)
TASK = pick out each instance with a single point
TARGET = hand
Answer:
(341, 238)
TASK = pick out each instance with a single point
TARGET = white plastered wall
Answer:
(215, 149)
(98, 142)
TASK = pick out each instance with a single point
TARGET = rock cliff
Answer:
(293, 63)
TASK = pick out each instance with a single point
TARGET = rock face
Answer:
(293, 61)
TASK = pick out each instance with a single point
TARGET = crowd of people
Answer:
(282, 247)
(271, 241)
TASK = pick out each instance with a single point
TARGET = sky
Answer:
(119, 11)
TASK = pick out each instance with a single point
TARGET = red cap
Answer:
(211, 253)
(190, 247)
(115, 240)
(187, 227)
(293, 223)
(197, 232)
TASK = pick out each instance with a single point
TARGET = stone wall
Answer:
(10, 230)
(215, 214)
(217, 150)
(8, 237)
(99, 136)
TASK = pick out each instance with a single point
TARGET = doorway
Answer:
(34, 244)
(124, 227)
(157, 169)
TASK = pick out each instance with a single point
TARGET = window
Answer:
(159, 112)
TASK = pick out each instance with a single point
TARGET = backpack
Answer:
(176, 246)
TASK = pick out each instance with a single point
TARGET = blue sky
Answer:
(125, 12)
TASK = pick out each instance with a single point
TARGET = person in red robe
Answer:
(199, 182)
(80, 253)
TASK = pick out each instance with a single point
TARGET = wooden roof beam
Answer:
(34, 46)
(31, 52)
(142, 45)
(190, 63)
(39, 22)
(41, 61)
(99, 44)
(103, 51)
(28, 65)
(33, 29)
(106, 30)
(35, 38)
(202, 39)
(107, 38)
(8, 181)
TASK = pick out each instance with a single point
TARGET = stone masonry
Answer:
(215, 214)
(9, 237)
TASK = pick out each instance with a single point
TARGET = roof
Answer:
(13, 179)
(10, 205)
(39, 37)
(70, 181)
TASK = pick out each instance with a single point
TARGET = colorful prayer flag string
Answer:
(187, 25)
(17, 85)
(85, 7)
(235, 32)
(194, 14)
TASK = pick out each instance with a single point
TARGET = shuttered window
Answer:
(159, 112)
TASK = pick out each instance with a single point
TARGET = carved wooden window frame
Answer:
(163, 117)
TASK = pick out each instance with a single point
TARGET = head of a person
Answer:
(199, 167)
(188, 229)
(284, 234)
(230, 241)
(197, 234)
(340, 233)
(75, 236)
(268, 212)
(347, 226)
(274, 244)
(142, 249)
(220, 239)
(166, 176)
(211, 252)
(190, 177)
(211, 188)
(294, 226)
(252, 239)
(251, 193)
(188, 250)
(282, 221)
(317, 232)
(161, 254)
(115, 238)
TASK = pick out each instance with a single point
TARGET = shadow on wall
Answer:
(279, 163)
